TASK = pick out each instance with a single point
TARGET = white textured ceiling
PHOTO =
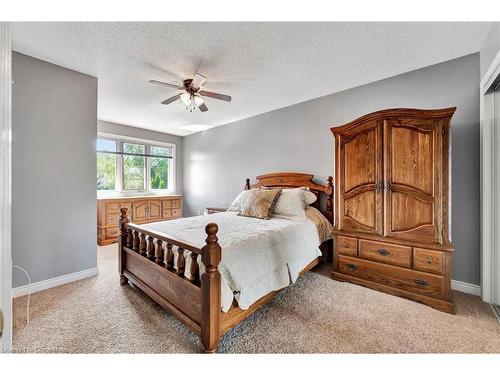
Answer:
(263, 66)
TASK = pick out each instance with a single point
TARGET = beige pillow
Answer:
(291, 203)
(260, 203)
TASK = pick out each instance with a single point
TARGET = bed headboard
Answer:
(294, 180)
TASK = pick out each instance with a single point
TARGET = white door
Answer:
(495, 288)
(490, 183)
(5, 190)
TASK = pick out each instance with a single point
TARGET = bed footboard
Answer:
(146, 258)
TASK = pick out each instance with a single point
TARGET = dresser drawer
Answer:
(112, 207)
(414, 281)
(166, 204)
(346, 245)
(166, 213)
(176, 204)
(112, 219)
(176, 212)
(428, 260)
(112, 233)
(385, 252)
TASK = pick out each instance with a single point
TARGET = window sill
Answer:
(135, 194)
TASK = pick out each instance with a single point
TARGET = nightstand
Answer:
(213, 210)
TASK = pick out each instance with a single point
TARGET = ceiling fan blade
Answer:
(198, 81)
(203, 107)
(172, 99)
(154, 82)
(215, 95)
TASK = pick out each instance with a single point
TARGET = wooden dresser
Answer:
(143, 209)
(392, 212)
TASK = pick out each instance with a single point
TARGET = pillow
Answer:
(291, 202)
(260, 203)
(309, 197)
(239, 202)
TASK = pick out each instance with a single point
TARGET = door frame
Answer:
(5, 185)
(490, 183)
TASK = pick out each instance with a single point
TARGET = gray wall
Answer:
(490, 47)
(54, 115)
(131, 131)
(298, 138)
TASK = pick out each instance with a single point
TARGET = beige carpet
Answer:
(316, 315)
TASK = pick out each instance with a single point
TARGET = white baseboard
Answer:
(60, 280)
(51, 283)
(466, 287)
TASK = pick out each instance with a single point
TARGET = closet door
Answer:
(412, 158)
(359, 179)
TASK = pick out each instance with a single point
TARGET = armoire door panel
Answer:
(402, 203)
(412, 158)
(360, 164)
(361, 208)
(359, 179)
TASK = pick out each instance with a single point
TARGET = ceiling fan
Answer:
(193, 92)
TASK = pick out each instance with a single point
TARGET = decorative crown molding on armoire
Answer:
(392, 214)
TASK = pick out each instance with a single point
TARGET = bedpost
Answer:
(329, 199)
(122, 241)
(211, 290)
(247, 184)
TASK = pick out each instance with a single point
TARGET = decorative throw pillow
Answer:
(260, 203)
(239, 202)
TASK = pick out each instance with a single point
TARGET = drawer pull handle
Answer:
(421, 282)
(351, 267)
(429, 260)
(347, 245)
(384, 252)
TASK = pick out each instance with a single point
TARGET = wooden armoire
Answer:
(392, 201)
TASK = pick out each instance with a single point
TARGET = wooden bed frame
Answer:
(146, 259)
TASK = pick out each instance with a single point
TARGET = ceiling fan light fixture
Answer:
(198, 100)
(186, 99)
(193, 93)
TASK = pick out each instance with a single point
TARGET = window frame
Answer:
(117, 162)
(120, 139)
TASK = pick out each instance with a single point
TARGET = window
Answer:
(106, 164)
(133, 165)
(159, 168)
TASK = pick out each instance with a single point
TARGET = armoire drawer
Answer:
(385, 252)
(346, 245)
(428, 260)
(414, 281)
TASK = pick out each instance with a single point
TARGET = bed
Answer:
(179, 263)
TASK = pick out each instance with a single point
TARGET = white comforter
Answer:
(258, 256)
